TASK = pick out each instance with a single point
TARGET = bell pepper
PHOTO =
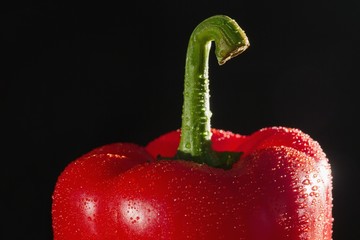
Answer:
(199, 182)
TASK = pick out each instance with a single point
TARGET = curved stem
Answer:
(230, 40)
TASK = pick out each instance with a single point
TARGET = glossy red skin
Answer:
(281, 188)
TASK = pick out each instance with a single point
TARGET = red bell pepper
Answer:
(198, 182)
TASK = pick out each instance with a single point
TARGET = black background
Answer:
(80, 75)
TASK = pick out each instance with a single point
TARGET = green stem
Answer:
(230, 40)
